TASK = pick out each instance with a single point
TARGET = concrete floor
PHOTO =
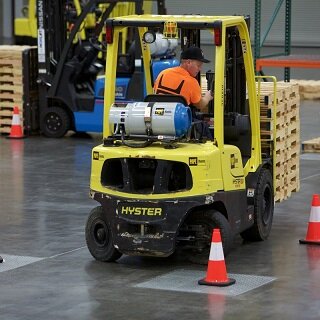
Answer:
(48, 272)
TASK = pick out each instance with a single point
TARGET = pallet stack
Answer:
(285, 143)
(312, 145)
(11, 85)
(309, 89)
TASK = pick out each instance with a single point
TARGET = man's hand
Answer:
(202, 105)
(208, 96)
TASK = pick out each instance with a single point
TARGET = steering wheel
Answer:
(98, 45)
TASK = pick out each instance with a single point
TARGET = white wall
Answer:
(5, 19)
(6, 16)
(305, 26)
(305, 29)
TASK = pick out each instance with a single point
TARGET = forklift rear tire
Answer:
(263, 209)
(99, 237)
(55, 123)
(210, 220)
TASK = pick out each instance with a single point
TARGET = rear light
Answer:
(217, 33)
(109, 34)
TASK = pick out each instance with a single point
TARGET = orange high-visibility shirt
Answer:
(178, 81)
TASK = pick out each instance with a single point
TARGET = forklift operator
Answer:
(182, 80)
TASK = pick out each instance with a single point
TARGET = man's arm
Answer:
(202, 104)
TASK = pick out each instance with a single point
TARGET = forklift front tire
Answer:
(209, 220)
(263, 209)
(99, 237)
(55, 123)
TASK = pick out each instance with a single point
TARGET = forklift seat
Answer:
(165, 98)
(237, 131)
(125, 65)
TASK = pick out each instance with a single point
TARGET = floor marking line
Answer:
(306, 178)
(66, 252)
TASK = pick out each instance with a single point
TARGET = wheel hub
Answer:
(100, 234)
(53, 122)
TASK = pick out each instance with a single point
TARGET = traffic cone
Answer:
(216, 273)
(16, 129)
(313, 233)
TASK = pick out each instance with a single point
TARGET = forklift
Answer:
(161, 184)
(25, 27)
(71, 64)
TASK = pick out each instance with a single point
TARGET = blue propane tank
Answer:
(160, 118)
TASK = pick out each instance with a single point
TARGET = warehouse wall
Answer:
(305, 17)
(305, 27)
(1, 14)
(5, 19)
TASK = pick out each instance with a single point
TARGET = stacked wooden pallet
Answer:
(312, 145)
(11, 84)
(284, 142)
(284, 145)
(309, 89)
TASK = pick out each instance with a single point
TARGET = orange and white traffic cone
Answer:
(313, 233)
(16, 129)
(216, 273)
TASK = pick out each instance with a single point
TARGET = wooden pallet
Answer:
(8, 87)
(285, 119)
(9, 70)
(6, 114)
(312, 145)
(285, 92)
(11, 84)
(309, 89)
(5, 128)
(10, 103)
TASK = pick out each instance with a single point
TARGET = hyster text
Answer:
(138, 211)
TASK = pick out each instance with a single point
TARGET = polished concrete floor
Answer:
(48, 272)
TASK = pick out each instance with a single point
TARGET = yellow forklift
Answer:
(26, 30)
(161, 183)
(25, 27)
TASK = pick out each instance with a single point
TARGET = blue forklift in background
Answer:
(71, 92)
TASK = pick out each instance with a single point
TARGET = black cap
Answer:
(194, 53)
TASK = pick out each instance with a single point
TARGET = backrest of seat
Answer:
(237, 131)
(165, 98)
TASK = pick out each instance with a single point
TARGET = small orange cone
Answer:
(216, 273)
(313, 233)
(16, 129)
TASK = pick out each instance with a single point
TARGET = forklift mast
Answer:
(55, 47)
(235, 74)
(67, 65)
(51, 35)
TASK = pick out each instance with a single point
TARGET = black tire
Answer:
(55, 123)
(210, 220)
(263, 209)
(99, 237)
